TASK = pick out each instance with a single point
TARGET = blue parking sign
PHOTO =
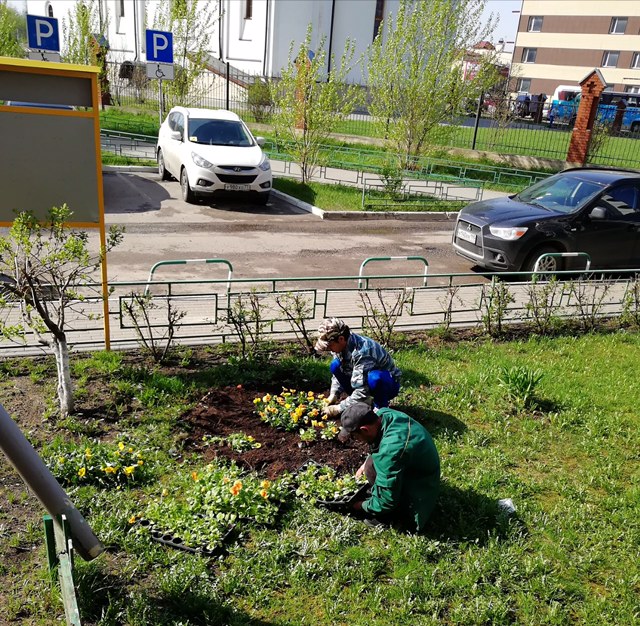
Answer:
(159, 46)
(42, 33)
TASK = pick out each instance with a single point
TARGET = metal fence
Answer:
(268, 305)
(509, 125)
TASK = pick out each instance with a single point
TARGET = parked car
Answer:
(211, 152)
(590, 210)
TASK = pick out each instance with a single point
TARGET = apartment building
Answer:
(560, 41)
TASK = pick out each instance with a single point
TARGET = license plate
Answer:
(466, 235)
(230, 187)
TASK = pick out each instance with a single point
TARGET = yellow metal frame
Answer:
(87, 72)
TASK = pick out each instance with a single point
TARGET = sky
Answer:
(508, 24)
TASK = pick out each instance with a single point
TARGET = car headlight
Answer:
(265, 166)
(509, 233)
(200, 162)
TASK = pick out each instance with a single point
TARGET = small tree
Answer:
(80, 28)
(415, 71)
(309, 102)
(12, 31)
(43, 263)
(192, 23)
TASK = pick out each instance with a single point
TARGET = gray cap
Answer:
(330, 328)
(355, 415)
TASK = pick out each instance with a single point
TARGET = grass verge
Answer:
(567, 455)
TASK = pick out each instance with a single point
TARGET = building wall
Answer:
(574, 37)
(259, 45)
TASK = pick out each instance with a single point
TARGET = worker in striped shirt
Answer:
(361, 368)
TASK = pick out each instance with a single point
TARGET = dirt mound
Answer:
(222, 412)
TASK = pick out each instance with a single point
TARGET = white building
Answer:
(252, 35)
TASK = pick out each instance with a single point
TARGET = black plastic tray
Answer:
(173, 541)
(360, 494)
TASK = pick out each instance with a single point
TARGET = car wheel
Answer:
(548, 264)
(162, 170)
(635, 127)
(187, 193)
(263, 198)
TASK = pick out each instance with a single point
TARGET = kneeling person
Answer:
(403, 468)
(361, 368)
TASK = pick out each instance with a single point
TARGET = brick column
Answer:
(592, 86)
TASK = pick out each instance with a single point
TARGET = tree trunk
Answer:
(65, 391)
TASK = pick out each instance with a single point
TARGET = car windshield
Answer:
(219, 133)
(564, 193)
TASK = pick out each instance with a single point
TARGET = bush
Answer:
(260, 100)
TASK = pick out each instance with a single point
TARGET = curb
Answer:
(129, 168)
(409, 216)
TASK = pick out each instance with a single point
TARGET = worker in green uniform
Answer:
(403, 468)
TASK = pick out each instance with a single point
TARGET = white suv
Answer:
(211, 152)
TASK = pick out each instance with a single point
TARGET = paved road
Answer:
(280, 240)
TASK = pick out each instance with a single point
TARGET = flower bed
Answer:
(106, 465)
(297, 411)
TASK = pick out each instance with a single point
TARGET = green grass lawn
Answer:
(566, 453)
(343, 198)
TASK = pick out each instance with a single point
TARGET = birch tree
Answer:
(415, 71)
(309, 103)
(192, 23)
(42, 265)
(12, 31)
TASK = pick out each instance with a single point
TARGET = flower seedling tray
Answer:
(173, 541)
(348, 499)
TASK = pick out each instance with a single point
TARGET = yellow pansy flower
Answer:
(82, 471)
(129, 469)
(121, 446)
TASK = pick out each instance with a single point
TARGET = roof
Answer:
(604, 175)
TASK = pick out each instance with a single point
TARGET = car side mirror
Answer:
(176, 135)
(260, 141)
(598, 213)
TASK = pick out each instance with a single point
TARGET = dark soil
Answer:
(230, 410)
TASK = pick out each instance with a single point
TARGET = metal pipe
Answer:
(333, 12)
(41, 481)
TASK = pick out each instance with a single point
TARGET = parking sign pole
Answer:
(160, 100)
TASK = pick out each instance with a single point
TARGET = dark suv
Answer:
(596, 211)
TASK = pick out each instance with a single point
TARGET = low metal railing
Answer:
(457, 300)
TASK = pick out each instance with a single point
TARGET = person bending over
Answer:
(361, 368)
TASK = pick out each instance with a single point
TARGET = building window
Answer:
(535, 24)
(618, 25)
(610, 59)
(529, 55)
(378, 17)
(632, 89)
(635, 61)
(248, 9)
(49, 9)
(524, 84)
(120, 8)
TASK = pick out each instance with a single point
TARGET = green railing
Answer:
(445, 299)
